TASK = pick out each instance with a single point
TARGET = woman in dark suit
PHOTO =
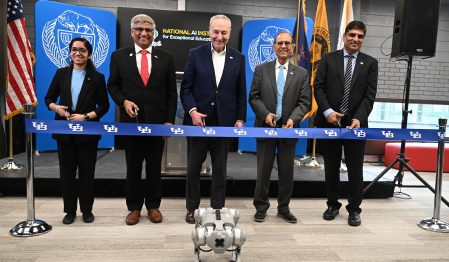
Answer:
(82, 97)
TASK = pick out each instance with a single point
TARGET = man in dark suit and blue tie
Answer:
(345, 89)
(142, 83)
(213, 93)
(280, 96)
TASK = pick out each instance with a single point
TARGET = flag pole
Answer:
(10, 165)
(313, 162)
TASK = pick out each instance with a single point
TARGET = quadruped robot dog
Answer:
(217, 229)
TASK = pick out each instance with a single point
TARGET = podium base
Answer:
(30, 228)
(435, 225)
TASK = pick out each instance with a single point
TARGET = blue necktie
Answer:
(280, 86)
(347, 85)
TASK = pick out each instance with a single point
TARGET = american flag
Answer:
(20, 80)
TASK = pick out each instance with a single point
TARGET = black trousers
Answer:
(81, 157)
(138, 149)
(331, 150)
(197, 148)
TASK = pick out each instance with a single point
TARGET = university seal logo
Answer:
(320, 45)
(57, 34)
(261, 48)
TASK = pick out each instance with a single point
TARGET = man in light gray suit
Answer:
(280, 96)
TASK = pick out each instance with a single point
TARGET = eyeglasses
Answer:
(81, 50)
(141, 29)
(352, 35)
(286, 43)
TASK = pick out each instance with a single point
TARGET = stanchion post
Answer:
(435, 223)
(30, 227)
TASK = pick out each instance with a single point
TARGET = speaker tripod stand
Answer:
(403, 161)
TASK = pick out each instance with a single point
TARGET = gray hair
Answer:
(220, 16)
(142, 18)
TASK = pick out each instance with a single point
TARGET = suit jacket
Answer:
(295, 100)
(329, 87)
(199, 88)
(158, 99)
(93, 97)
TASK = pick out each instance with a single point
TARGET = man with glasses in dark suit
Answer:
(142, 83)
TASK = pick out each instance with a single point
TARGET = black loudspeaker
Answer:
(415, 28)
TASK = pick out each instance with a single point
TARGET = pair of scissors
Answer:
(339, 123)
(135, 112)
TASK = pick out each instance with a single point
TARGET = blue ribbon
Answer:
(132, 129)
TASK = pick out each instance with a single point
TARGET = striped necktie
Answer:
(280, 82)
(347, 85)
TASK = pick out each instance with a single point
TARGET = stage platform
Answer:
(110, 177)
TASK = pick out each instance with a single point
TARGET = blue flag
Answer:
(302, 55)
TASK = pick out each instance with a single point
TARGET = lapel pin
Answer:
(361, 63)
(131, 54)
(231, 57)
(291, 73)
(88, 79)
(156, 56)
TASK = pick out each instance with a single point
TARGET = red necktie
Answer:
(144, 67)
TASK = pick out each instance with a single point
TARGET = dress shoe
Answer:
(69, 218)
(287, 216)
(133, 217)
(88, 217)
(354, 219)
(330, 213)
(190, 217)
(260, 216)
(155, 215)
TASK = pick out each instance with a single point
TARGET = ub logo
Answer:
(271, 132)
(240, 132)
(415, 134)
(330, 133)
(177, 131)
(57, 34)
(209, 131)
(442, 135)
(388, 134)
(156, 43)
(301, 132)
(40, 126)
(359, 133)
(76, 127)
(261, 48)
(110, 129)
(144, 130)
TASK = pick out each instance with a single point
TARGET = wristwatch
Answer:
(86, 117)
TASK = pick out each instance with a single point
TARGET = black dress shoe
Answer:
(330, 213)
(190, 217)
(69, 218)
(88, 217)
(260, 216)
(354, 219)
(287, 216)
